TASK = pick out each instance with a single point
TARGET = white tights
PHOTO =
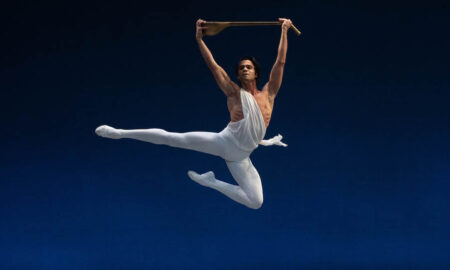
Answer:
(249, 189)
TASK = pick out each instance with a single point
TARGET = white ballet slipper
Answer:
(108, 132)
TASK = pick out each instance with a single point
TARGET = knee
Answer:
(255, 203)
(172, 139)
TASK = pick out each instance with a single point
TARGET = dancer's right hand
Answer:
(199, 30)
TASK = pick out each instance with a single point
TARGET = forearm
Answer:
(206, 54)
(282, 47)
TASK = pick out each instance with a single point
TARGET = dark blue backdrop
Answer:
(363, 184)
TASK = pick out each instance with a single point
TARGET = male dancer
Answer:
(250, 112)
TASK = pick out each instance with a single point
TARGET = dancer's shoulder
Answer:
(232, 89)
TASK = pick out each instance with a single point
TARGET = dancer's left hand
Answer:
(286, 23)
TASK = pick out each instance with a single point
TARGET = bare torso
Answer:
(265, 104)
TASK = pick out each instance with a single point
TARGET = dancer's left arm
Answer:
(276, 75)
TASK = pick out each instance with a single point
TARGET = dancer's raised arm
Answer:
(221, 77)
(276, 75)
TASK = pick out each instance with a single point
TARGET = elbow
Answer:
(281, 62)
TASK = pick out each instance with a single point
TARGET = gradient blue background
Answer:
(364, 107)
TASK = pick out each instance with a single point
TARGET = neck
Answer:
(250, 86)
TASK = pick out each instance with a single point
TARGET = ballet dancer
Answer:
(250, 112)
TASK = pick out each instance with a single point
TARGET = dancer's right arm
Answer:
(221, 77)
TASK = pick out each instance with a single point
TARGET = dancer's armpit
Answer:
(224, 82)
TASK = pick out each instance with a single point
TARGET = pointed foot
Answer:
(108, 132)
(207, 179)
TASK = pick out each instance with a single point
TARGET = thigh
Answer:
(205, 142)
(247, 177)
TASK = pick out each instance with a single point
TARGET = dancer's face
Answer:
(246, 71)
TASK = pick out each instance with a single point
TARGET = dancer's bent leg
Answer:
(205, 142)
(248, 192)
(208, 179)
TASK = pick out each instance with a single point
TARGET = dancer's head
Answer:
(248, 69)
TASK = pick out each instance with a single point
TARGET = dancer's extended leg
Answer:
(205, 142)
(248, 192)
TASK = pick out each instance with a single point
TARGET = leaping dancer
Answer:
(250, 112)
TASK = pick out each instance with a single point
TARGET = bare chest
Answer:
(265, 105)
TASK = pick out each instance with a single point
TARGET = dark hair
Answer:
(255, 63)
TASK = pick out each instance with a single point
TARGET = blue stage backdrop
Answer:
(364, 108)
